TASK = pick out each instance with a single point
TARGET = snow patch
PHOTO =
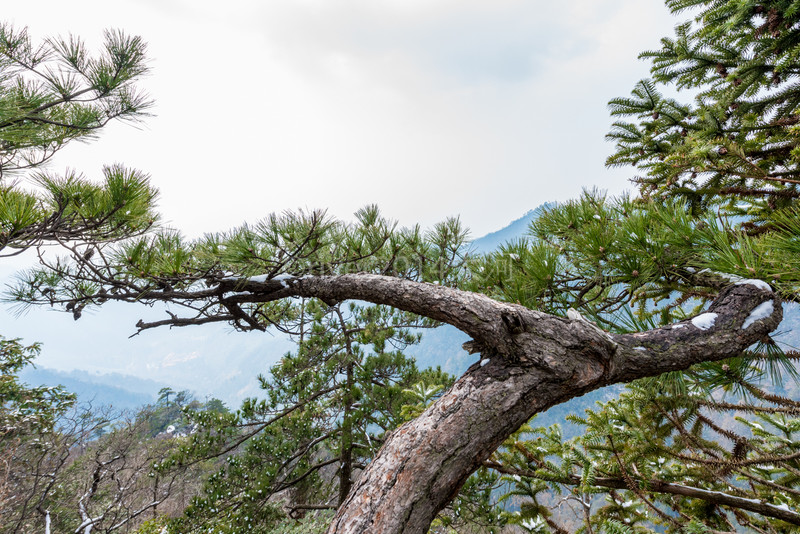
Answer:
(261, 278)
(532, 524)
(485, 361)
(762, 311)
(283, 278)
(640, 348)
(760, 284)
(732, 278)
(239, 294)
(574, 315)
(704, 321)
(676, 326)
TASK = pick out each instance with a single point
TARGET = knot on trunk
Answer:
(513, 322)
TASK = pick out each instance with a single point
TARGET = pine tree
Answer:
(327, 409)
(50, 95)
(713, 448)
(596, 256)
(735, 145)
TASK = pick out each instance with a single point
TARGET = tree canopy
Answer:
(50, 95)
(679, 288)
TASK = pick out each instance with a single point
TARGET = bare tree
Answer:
(95, 473)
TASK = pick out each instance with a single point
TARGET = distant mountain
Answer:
(122, 392)
(212, 360)
(516, 229)
(441, 347)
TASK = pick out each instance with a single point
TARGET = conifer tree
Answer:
(327, 409)
(713, 448)
(52, 94)
(735, 144)
(596, 256)
(321, 255)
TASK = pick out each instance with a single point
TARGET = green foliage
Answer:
(28, 420)
(735, 145)
(24, 410)
(608, 256)
(164, 266)
(325, 412)
(153, 526)
(718, 204)
(316, 524)
(474, 509)
(56, 92)
(172, 415)
(50, 95)
(313, 243)
(422, 395)
(634, 446)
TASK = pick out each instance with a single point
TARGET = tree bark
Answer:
(529, 361)
(534, 361)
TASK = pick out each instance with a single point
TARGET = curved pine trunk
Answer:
(536, 360)
(424, 463)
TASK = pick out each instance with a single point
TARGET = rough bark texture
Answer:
(535, 361)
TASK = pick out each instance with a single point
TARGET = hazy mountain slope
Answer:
(123, 392)
(514, 230)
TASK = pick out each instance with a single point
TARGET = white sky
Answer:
(483, 109)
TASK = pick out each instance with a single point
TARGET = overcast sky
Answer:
(429, 108)
(483, 109)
